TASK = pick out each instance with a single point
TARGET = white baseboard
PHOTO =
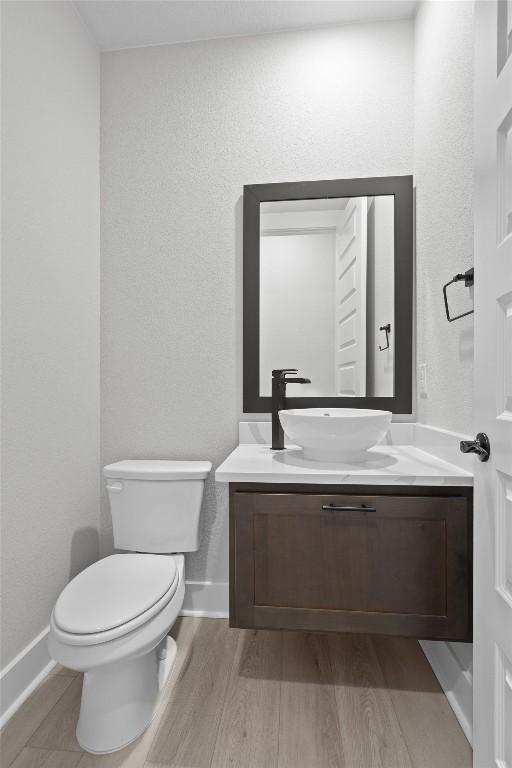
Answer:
(23, 674)
(206, 598)
(455, 679)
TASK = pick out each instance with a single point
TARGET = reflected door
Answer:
(493, 386)
(350, 299)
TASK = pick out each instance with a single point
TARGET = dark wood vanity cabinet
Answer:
(392, 560)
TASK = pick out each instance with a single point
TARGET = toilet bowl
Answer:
(111, 622)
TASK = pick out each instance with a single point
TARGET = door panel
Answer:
(334, 562)
(298, 563)
(493, 387)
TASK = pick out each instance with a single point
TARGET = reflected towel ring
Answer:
(387, 329)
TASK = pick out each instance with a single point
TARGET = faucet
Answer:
(279, 382)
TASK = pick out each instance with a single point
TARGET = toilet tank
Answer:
(155, 505)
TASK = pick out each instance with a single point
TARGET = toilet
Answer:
(111, 622)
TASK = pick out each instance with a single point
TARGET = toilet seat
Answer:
(113, 597)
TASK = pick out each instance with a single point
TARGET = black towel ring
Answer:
(469, 280)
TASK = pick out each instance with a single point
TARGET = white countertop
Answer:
(384, 465)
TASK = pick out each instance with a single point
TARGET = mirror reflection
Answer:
(327, 295)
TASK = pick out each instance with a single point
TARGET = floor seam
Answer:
(340, 730)
(239, 642)
(280, 701)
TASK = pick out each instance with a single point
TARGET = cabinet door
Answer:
(379, 564)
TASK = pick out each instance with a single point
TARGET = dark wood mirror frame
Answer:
(401, 187)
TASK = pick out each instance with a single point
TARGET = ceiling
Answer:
(117, 24)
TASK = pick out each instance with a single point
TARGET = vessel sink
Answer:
(334, 434)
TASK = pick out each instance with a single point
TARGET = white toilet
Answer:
(111, 621)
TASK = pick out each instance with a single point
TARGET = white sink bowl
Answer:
(333, 434)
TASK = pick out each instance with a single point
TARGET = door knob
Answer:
(480, 445)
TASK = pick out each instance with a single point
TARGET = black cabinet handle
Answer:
(343, 508)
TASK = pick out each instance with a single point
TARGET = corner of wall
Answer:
(443, 172)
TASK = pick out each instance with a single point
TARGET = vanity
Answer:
(358, 530)
(382, 547)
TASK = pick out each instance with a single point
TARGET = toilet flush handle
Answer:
(114, 487)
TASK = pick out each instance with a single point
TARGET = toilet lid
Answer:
(114, 591)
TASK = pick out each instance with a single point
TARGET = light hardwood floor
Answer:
(263, 700)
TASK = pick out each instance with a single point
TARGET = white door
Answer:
(493, 385)
(350, 300)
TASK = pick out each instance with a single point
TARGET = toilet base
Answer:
(119, 700)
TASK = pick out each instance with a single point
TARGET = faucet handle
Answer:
(280, 373)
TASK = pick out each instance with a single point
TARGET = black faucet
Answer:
(279, 382)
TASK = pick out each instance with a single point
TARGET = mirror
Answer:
(328, 269)
(327, 294)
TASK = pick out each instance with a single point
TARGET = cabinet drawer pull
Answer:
(341, 508)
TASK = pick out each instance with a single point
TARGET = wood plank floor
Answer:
(247, 699)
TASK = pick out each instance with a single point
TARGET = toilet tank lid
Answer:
(157, 469)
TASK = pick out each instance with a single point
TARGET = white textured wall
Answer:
(50, 311)
(184, 127)
(443, 171)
